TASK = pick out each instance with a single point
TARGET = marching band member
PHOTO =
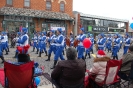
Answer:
(126, 43)
(24, 40)
(101, 42)
(116, 43)
(18, 37)
(71, 39)
(52, 47)
(42, 44)
(59, 47)
(38, 42)
(89, 49)
(109, 43)
(92, 41)
(6, 37)
(3, 42)
(81, 48)
(34, 39)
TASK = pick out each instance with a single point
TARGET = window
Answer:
(62, 6)
(9, 2)
(26, 3)
(48, 5)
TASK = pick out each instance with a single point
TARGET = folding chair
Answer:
(19, 76)
(111, 78)
(129, 78)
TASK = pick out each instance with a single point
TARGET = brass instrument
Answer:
(68, 42)
(76, 42)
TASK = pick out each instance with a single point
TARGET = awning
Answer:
(34, 13)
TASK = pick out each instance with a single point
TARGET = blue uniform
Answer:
(81, 48)
(34, 42)
(59, 47)
(116, 48)
(101, 43)
(126, 45)
(4, 42)
(109, 43)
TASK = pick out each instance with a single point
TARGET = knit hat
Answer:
(100, 53)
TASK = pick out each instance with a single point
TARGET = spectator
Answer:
(23, 58)
(70, 73)
(126, 63)
(99, 66)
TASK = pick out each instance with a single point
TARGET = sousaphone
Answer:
(68, 42)
(75, 43)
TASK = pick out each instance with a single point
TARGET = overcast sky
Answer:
(122, 9)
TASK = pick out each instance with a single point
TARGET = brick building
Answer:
(36, 15)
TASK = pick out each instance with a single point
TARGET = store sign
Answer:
(53, 21)
(116, 30)
(55, 28)
(17, 18)
(100, 29)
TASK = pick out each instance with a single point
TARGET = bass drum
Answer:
(68, 42)
(76, 42)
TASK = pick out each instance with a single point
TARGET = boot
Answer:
(117, 57)
(16, 54)
(63, 52)
(33, 49)
(89, 55)
(2, 58)
(55, 61)
(37, 51)
(48, 57)
(46, 53)
(39, 54)
(114, 57)
(92, 51)
(83, 58)
(85, 55)
(6, 52)
(8, 49)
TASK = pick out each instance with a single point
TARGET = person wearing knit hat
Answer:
(116, 44)
(101, 42)
(81, 48)
(59, 47)
(127, 42)
(52, 47)
(99, 66)
(109, 42)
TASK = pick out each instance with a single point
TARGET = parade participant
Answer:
(92, 41)
(24, 40)
(38, 37)
(81, 48)
(116, 43)
(59, 47)
(6, 37)
(89, 49)
(126, 43)
(3, 43)
(43, 44)
(109, 43)
(101, 42)
(52, 47)
(34, 42)
(71, 39)
(18, 37)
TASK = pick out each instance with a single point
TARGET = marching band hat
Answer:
(59, 29)
(25, 30)
(82, 29)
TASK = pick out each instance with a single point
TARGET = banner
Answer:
(55, 28)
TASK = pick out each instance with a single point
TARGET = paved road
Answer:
(47, 65)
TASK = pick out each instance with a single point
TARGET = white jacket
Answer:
(99, 67)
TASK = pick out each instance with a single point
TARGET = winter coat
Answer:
(69, 72)
(99, 67)
(126, 62)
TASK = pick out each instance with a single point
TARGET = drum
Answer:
(68, 42)
(76, 42)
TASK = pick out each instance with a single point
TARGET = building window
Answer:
(9, 2)
(48, 5)
(62, 6)
(26, 3)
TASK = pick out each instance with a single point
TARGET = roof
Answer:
(101, 17)
(34, 13)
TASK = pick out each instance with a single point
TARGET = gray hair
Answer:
(71, 54)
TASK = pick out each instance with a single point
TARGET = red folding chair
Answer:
(19, 76)
(111, 77)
